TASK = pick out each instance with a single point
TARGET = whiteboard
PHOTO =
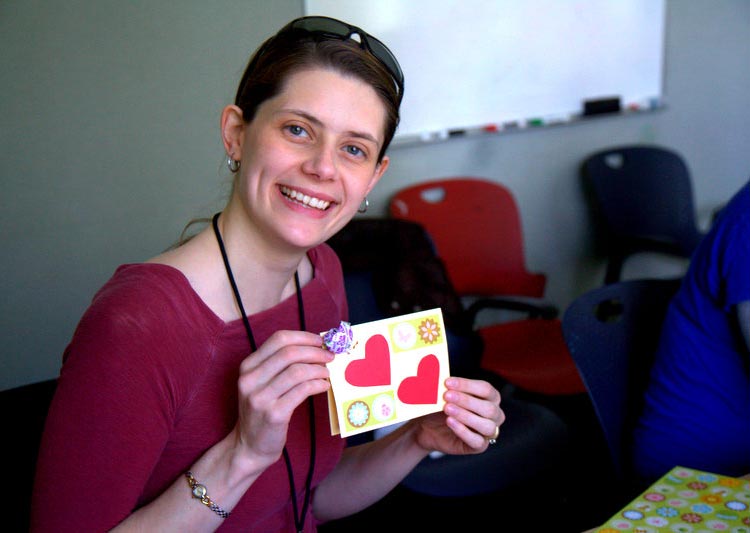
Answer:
(470, 64)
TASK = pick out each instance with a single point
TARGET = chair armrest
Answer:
(534, 308)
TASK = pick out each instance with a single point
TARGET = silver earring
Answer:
(363, 206)
(233, 164)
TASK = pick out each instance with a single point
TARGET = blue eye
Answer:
(296, 130)
(354, 150)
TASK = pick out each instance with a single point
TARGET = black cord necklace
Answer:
(299, 520)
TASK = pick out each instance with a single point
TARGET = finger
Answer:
(484, 426)
(280, 374)
(483, 407)
(298, 393)
(474, 387)
(287, 398)
(276, 401)
(295, 347)
(470, 437)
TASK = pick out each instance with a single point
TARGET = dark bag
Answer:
(396, 261)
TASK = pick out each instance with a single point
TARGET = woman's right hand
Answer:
(274, 380)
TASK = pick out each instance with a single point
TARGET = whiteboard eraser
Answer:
(600, 106)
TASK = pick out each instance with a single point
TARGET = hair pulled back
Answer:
(287, 53)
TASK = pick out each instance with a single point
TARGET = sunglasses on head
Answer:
(336, 29)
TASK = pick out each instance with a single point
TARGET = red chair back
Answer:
(476, 227)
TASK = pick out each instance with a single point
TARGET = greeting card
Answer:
(386, 371)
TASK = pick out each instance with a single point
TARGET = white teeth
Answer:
(309, 201)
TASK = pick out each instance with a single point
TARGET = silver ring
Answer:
(495, 435)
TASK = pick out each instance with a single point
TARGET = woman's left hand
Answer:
(471, 416)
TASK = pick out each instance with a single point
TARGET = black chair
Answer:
(390, 269)
(24, 413)
(641, 199)
(612, 333)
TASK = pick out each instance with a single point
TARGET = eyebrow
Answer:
(317, 122)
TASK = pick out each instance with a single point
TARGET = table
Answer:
(593, 530)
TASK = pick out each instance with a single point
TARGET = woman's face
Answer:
(309, 157)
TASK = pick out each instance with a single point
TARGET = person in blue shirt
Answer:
(697, 403)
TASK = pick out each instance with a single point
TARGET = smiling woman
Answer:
(193, 390)
(328, 126)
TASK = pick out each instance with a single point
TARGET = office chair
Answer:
(476, 228)
(612, 332)
(24, 413)
(390, 269)
(641, 200)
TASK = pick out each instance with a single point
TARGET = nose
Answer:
(321, 163)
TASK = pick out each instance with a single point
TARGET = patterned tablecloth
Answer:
(686, 500)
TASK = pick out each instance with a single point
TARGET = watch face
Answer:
(199, 491)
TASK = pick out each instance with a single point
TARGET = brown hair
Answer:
(289, 52)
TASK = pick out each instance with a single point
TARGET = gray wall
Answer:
(109, 144)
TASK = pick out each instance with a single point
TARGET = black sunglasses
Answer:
(337, 29)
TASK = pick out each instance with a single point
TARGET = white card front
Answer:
(394, 371)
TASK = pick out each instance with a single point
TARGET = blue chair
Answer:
(612, 333)
(641, 199)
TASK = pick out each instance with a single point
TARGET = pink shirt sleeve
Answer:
(98, 448)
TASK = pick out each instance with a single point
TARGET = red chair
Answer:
(476, 229)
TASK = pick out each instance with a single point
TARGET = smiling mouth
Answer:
(304, 199)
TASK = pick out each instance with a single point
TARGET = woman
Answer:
(192, 395)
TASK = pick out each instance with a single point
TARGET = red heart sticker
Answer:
(375, 368)
(422, 388)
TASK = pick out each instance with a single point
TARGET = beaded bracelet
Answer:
(199, 491)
